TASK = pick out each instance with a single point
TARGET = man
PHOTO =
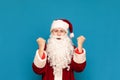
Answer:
(59, 58)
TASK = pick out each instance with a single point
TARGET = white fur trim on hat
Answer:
(59, 24)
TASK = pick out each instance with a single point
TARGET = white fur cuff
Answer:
(40, 63)
(80, 58)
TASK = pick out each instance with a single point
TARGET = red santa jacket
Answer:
(42, 67)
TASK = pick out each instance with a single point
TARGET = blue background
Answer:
(23, 21)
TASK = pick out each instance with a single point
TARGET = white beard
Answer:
(59, 53)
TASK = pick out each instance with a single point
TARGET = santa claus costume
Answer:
(60, 58)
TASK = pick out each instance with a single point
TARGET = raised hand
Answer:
(41, 44)
(80, 42)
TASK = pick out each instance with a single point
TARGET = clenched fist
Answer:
(80, 40)
(41, 43)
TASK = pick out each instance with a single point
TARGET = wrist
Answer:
(40, 52)
(41, 48)
(79, 51)
(80, 47)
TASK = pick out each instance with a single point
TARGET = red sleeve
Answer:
(38, 70)
(77, 67)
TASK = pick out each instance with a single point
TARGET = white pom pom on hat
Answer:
(71, 35)
(63, 23)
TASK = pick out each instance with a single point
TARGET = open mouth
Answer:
(58, 38)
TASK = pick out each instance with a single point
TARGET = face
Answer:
(58, 32)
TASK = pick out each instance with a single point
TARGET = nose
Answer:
(59, 33)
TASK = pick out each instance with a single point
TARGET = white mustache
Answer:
(58, 37)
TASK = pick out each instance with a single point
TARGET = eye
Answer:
(62, 31)
(55, 30)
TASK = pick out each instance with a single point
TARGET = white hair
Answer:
(59, 52)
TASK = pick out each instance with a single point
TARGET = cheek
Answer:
(62, 34)
(55, 34)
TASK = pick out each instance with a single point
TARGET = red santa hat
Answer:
(63, 23)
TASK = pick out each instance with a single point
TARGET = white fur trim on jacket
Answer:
(80, 58)
(40, 63)
(58, 77)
